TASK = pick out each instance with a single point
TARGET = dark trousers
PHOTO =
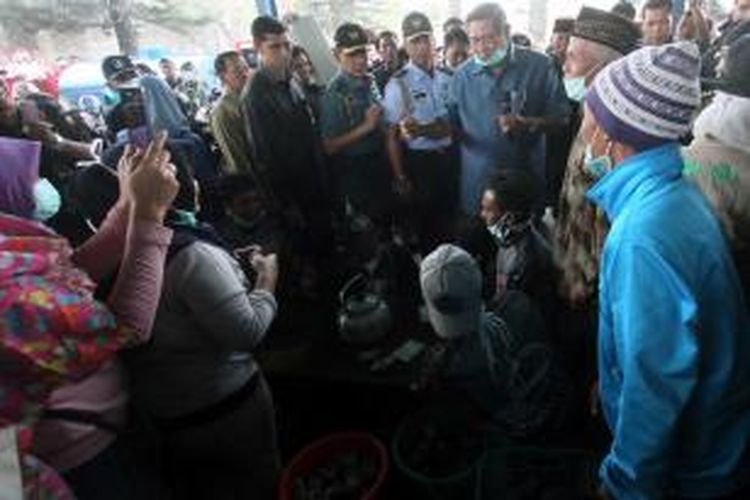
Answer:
(232, 457)
(104, 476)
(431, 209)
(365, 183)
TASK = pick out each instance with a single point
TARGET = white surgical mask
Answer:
(496, 230)
(46, 200)
(499, 230)
(575, 88)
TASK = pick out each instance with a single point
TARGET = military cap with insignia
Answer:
(114, 66)
(606, 28)
(415, 25)
(351, 38)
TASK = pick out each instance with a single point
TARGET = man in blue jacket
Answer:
(674, 335)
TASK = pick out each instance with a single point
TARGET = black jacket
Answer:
(285, 144)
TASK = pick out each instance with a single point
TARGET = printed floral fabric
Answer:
(42, 482)
(23, 476)
(52, 330)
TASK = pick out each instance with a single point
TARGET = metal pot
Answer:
(364, 317)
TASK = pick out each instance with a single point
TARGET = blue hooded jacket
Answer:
(674, 337)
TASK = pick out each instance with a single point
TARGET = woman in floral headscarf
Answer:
(56, 342)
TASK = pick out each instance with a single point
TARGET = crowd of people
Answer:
(578, 220)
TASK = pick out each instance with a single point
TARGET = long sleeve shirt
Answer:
(674, 338)
(207, 326)
(526, 85)
(228, 127)
(284, 139)
(141, 247)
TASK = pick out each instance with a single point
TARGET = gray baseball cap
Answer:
(452, 290)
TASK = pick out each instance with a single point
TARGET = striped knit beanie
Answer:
(648, 98)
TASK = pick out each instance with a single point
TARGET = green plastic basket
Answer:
(459, 483)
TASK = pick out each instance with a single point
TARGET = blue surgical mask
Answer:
(46, 200)
(575, 88)
(495, 59)
(111, 98)
(185, 218)
(596, 167)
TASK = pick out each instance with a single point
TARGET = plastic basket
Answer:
(458, 483)
(325, 450)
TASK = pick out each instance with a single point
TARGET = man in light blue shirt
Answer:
(419, 135)
(504, 99)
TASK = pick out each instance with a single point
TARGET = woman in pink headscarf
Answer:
(51, 328)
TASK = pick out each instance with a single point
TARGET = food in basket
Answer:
(347, 477)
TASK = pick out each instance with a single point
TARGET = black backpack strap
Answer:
(181, 239)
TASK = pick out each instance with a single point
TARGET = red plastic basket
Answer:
(326, 449)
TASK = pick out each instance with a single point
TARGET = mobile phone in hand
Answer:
(244, 257)
(247, 252)
(140, 137)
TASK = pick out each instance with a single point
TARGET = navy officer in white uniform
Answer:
(419, 136)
